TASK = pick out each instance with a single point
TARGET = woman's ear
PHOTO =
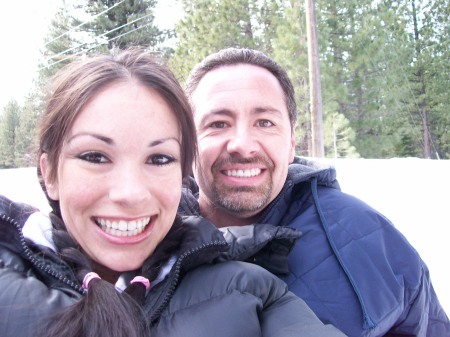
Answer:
(50, 186)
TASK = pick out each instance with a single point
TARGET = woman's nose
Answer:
(129, 187)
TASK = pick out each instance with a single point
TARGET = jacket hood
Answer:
(304, 169)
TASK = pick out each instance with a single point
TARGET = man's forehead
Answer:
(237, 79)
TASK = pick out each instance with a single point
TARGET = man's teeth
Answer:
(122, 227)
(243, 173)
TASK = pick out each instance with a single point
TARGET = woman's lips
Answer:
(122, 227)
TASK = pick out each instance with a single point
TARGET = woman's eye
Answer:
(160, 159)
(265, 123)
(93, 157)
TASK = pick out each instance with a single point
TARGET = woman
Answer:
(113, 258)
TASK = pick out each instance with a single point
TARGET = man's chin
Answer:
(244, 203)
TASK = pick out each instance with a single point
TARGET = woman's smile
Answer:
(122, 227)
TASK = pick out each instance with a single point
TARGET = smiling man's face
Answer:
(245, 142)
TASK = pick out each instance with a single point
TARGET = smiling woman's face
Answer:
(119, 175)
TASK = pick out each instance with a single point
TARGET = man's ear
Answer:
(50, 186)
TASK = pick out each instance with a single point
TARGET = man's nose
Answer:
(243, 142)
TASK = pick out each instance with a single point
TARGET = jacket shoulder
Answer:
(15, 210)
(214, 299)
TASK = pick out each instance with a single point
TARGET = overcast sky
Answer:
(23, 25)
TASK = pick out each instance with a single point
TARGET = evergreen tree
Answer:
(27, 131)
(209, 26)
(123, 23)
(364, 65)
(431, 75)
(8, 134)
(290, 50)
(376, 86)
(339, 137)
(86, 27)
(91, 26)
(65, 40)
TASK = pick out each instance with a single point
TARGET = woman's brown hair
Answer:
(103, 311)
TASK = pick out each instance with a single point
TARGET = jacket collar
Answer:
(38, 229)
(304, 169)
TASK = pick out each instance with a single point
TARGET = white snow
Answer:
(411, 192)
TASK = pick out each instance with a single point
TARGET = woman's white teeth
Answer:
(122, 227)
(244, 173)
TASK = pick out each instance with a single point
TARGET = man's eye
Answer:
(265, 123)
(160, 159)
(218, 125)
(93, 157)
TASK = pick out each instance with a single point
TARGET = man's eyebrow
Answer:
(264, 109)
(216, 112)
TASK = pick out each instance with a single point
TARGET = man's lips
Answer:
(243, 173)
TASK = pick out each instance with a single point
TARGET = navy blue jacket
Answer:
(351, 266)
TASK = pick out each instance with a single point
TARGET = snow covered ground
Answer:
(411, 192)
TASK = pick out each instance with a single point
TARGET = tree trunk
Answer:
(314, 80)
(422, 99)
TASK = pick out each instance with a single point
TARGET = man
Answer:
(351, 266)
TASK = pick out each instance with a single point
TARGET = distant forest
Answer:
(385, 65)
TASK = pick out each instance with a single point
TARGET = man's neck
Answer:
(221, 218)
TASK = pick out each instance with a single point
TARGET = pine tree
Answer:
(364, 60)
(25, 154)
(93, 26)
(64, 42)
(431, 76)
(339, 137)
(8, 134)
(209, 26)
(123, 23)
(291, 51)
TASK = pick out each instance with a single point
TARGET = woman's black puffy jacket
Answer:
(199, 297)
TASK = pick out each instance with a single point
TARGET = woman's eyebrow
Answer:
(110, 141)
(105, 139)
(163, 140)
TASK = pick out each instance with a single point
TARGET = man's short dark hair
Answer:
(234, 56)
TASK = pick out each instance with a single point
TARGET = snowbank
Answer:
(409, 191)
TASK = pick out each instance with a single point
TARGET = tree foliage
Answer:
(85, 27)
(9, 123)
(123, 23)
(27, 132)
(80, 27)
(209, 26)
(384, 65)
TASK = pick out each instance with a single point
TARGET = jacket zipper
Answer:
(28, 254)
(176, 276)
(368, 322)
